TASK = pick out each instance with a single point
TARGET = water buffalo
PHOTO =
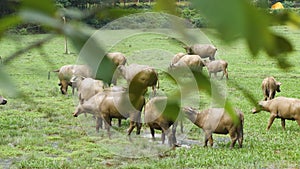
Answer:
(203, 50)
(194, 62)
(110, 104)
(269, 87)
(117, 58)
(146, 75)
(177, 57)
(87, 87)
(280, 107)
(157, 118)
(216, 66)
(66, 72)
(217, 120)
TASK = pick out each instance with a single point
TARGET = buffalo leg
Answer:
(226, 74)
(166, 131)
(208, 137)
(119, 122)
(240, 135)
(98, 123)
(107, 124)
(131, 127)
(163, 137)
(152, 133)
(64, 87)
(174, 127)
(272, 95)
(138, 123)
(283, 123)
(233, 136)
(271, 120)
(266, 95)
(298, 121)
(211, 141)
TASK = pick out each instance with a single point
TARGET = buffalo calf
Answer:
(269, 88)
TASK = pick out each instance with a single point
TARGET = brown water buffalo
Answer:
(117, 58)
(203, 50)
(194, 62)
(269, 88)
(120, 104)
(146, 76)
(216, 66)
(156, 118)
(66, 72)
(91, 106)
(87, 87)
(217, 120)
(176, 58)
(280, 107)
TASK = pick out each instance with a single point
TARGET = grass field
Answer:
(39, 131)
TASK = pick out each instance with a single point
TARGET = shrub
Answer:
(194, 17)
(288, 4)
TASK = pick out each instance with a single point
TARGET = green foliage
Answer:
(288, 4)
(194, 17)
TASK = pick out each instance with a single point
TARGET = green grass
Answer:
(38, 131)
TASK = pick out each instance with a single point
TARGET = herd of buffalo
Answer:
(106, 101)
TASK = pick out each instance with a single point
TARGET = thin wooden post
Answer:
(66, 39)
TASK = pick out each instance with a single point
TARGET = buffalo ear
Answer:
(187, 49)
(278, 83)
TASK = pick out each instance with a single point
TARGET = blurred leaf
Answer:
(40, 17)
(78, 35)
(114, 13)
(43, 6)
(239, 19)
(289, 18)
(168, 6)
(172, 108)
(29, 47)
(72, 13)
(6, 83)
(245, 92)
(203, 82)
(8, 22)
(105, 70)
(231, 111)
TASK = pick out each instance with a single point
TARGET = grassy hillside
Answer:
(39, 131)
